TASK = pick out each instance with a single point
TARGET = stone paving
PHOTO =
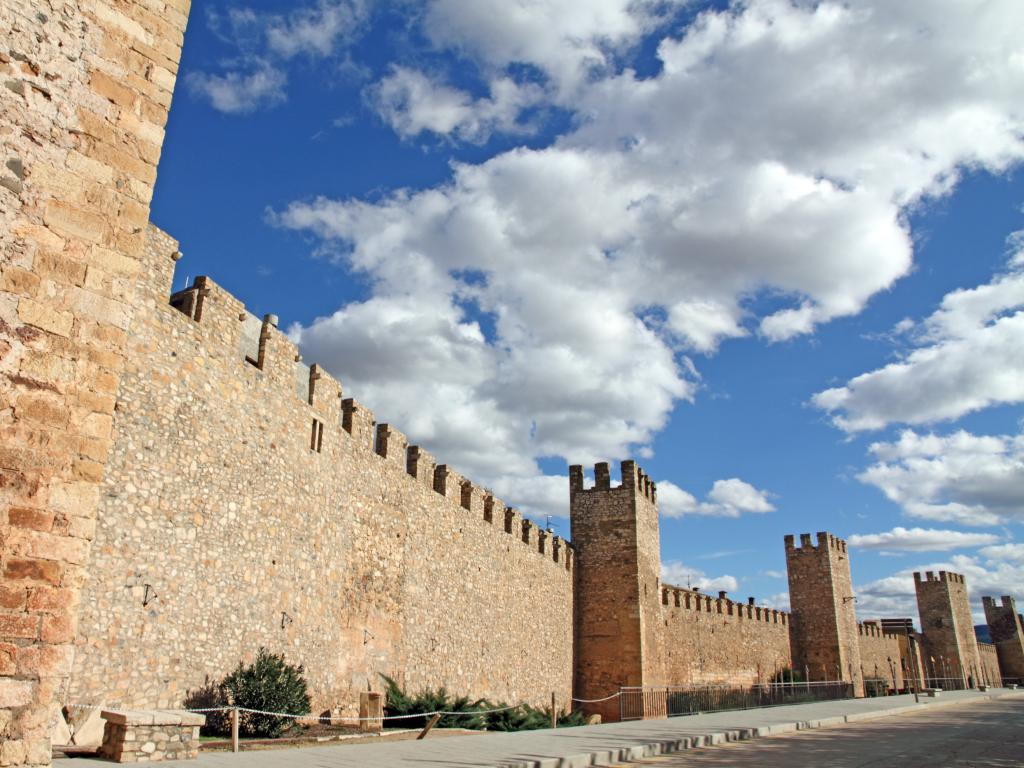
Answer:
(987, 734)
(584, 746)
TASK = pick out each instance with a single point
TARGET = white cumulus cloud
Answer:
(990, 575)
(921, 540)
(969, 356)
(960, 477)
(240, 92)
(255, 76)
(546, 300)
(411, 102)
(727, 498)
(679, 574)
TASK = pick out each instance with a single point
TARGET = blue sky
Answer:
(766, 248)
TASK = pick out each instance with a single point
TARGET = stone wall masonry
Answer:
(84, 93)
(880, 655)
(1007, 631)
(150, 737)
(950, 646)
(713, 640)
(989, 660)
(824, 625)
(243, 510)
(618, 626)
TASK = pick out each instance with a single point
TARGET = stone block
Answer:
(14, 693)
(75, 222)
(60, 734)
(45, 317)
(86, 726)
(150, 735)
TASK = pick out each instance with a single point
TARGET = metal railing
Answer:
(945, 683)
(646, 702)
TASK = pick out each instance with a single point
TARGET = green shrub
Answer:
(269, 684)
(206, 697)
(400, 703)
(521, 717)
(788, 675)
(876, 686)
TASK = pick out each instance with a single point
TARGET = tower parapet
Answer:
(1007, 631)
(951, 648)
(618, 587)
(823, 626)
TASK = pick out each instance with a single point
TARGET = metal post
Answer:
(554, 712)
(234, 729)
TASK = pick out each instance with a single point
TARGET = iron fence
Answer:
(945, 683)
(639, 703)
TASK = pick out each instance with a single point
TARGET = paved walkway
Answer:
(574, 747)
(986, 734)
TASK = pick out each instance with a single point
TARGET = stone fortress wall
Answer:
(881, 655)
(991, 673)
(631, 630)
(825, 637)
(1007, 629)
(950, 646)
(714, 640)
(206, 496)
(86, 91)
(248, 502)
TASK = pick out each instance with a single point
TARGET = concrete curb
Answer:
(655, 748)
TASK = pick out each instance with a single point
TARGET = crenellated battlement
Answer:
(826, 541)
(943, 576)
(874, 629)
(633, 480)
(261, 349)
(1007, 603)
(692, 599)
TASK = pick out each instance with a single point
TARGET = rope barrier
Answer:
(597, 701)
(443, 713)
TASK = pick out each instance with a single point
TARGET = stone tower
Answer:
(950, 647)
(88, 88)
(823, 631)
(1007, 630)
(618, 569)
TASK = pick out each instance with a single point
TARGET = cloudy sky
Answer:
(772, 249)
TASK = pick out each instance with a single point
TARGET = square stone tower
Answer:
(1004, 624)
(950, 647)
(82, 116)
(823, 632)
(618, 569)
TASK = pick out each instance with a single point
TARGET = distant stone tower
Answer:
(950, 647)
(823, 632)
(1007, 630)
(618, 570)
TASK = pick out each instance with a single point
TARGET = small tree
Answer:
(269, 684)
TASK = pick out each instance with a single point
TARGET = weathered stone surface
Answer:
(87, 726)
(1007, 631)
(250, 534)
(950, 646)
(66, 232)
(880, 655)
(824, 626)
(60, 734)
(150, 735)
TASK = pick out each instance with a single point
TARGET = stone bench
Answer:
(146, 736)
(932, 692)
